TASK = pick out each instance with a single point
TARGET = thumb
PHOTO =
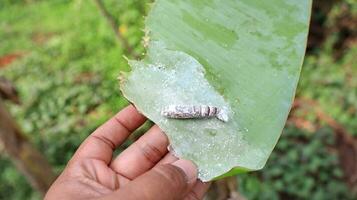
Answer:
(163, 182)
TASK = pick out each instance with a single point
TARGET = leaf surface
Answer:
(242, 55)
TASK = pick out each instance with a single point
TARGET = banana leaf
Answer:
(241, 56)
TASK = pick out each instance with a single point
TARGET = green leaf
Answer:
(244, 56)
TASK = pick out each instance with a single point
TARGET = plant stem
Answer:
(115, 28)
(27, 159)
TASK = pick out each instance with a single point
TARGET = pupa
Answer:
(194, 112)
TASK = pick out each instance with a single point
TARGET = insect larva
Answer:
(194, 112)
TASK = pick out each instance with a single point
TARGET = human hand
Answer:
(145, 170)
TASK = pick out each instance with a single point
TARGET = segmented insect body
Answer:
(194, 112)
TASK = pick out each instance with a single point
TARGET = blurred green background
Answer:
(64, 59)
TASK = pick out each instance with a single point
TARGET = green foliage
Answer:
(301, 167)
(13, 185)
(333, 84)
(329, 72)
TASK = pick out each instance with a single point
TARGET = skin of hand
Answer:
(143, 171)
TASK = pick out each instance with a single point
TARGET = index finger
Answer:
(103, 141)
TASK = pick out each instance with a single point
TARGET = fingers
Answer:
(101, 143)
(169, 158)
(198, 191)
(200, 188)
(142, 155)
(170, 181)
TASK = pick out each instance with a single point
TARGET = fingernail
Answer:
(189, 168)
